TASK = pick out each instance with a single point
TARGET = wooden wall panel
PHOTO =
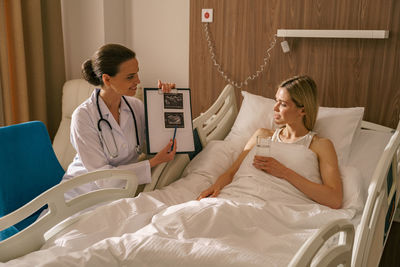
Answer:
(348, 72)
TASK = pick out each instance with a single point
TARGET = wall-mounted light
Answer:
(303, 33)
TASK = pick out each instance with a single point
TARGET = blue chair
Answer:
(28, 168)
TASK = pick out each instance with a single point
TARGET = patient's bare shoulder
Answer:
(321, 145)
(264, 132)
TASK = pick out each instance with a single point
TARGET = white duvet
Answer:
(258, 220)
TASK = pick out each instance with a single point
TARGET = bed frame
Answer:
(215, 124)
(35, 235)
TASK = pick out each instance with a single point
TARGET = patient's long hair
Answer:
(106, 60)
(303, 91)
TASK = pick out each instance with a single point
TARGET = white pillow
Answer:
(213, 160)
(353, 192)
(256, 112)
(340, 125)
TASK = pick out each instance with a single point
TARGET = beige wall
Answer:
(83, 30)
(157, 30)
(161, 40)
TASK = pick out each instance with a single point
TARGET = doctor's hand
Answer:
(165, 155)
(166, 87)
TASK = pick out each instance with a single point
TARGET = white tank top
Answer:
(304, 140)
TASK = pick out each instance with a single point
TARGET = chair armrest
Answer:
(167, 172)
(333, 256)
(155, 176)
(34, 236)
(173, 170)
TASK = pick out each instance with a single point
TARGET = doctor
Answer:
(108, 129)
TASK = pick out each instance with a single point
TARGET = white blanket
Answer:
(258, 220)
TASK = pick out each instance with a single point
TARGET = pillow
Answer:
(213, 160)
(353, 191)
(340, 125)
(256, 112)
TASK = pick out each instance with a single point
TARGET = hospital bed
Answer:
(222, 131)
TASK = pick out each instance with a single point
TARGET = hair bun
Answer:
(88, 73)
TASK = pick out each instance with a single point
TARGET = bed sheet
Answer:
(159, 229)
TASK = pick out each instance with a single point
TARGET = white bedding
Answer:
(258, 220)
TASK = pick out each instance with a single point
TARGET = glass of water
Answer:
(263, 146)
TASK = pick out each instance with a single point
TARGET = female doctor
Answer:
(108, 129)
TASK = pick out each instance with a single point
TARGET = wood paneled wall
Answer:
(348, 72)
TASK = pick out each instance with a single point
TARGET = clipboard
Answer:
(163, 113)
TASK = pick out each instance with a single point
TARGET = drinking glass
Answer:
(263, 146)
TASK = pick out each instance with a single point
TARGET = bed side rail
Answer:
(383, 196)
(376, 127)
(213, 124)
(34, 236)
(217, 121)
(333, 256)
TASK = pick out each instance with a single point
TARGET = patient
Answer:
(295, 111)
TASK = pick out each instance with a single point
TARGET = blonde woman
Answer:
(295, 111)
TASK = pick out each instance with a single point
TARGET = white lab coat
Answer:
(91, 152)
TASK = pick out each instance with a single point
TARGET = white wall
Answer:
(83, 32)
(161, 40)
(157, 30)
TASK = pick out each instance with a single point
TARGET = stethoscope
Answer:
(114, 155)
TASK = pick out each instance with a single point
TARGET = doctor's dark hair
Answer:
(303, 91)
(106, 60)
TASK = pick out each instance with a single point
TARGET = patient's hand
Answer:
(215, 189)
(212, 191)
(271, 166)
